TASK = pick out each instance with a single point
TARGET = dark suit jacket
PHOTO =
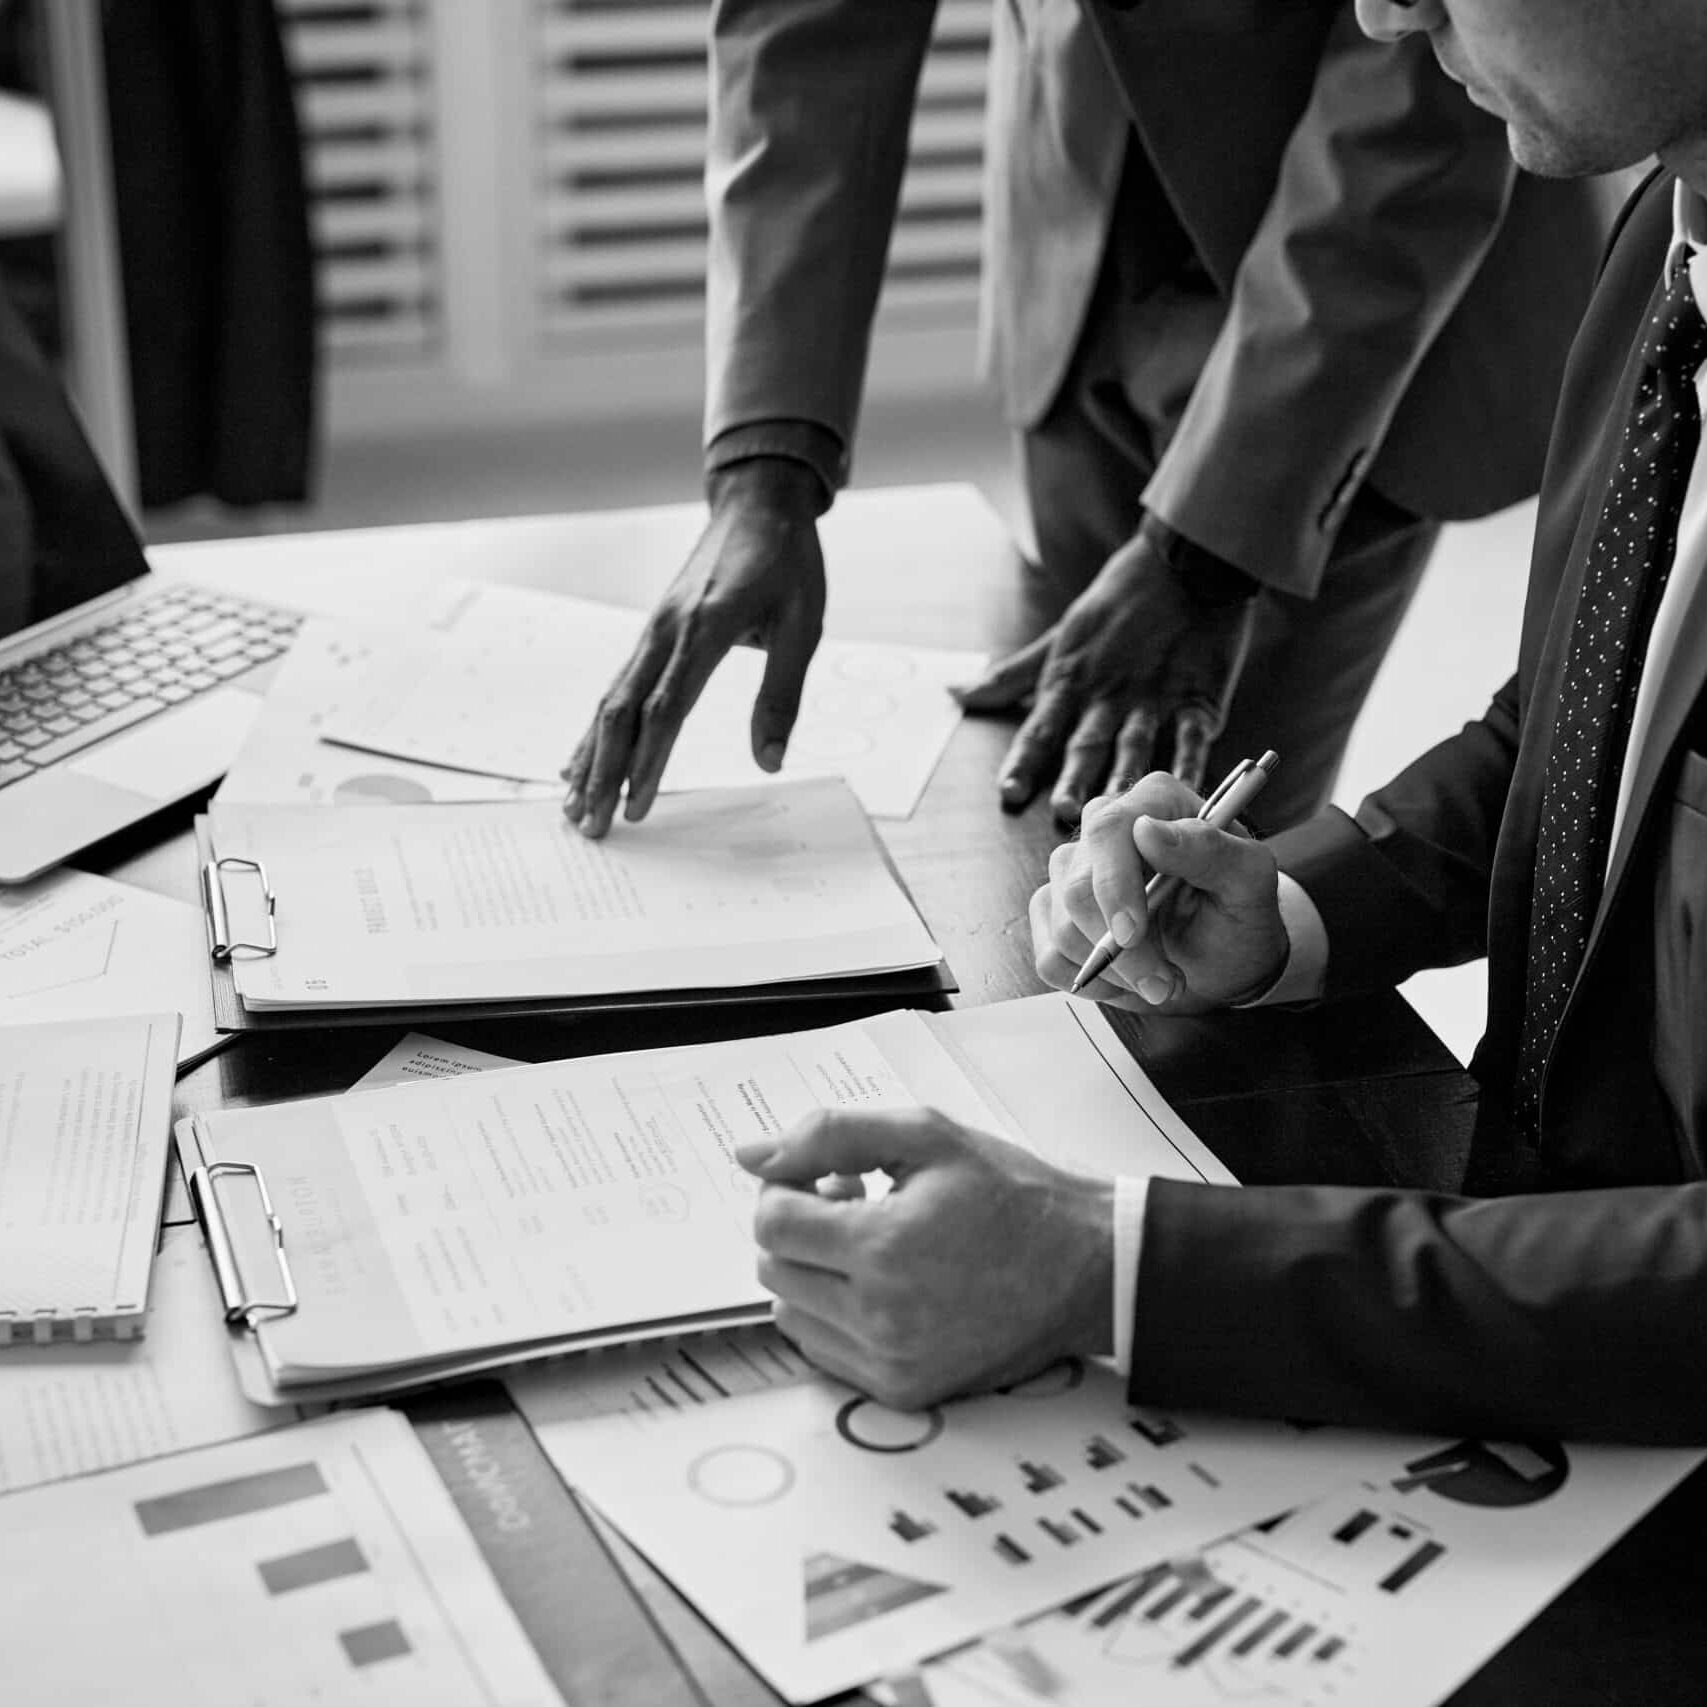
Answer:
(1574, 1312)
(1399, 298)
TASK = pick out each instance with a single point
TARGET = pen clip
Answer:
(1225, 787)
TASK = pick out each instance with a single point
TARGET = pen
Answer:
(1242, 784)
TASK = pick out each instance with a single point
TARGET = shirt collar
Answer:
(1688, 227)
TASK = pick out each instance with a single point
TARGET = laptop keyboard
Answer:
(172, 646)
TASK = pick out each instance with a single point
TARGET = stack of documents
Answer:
(410, 908)
(85, 1113)
(435, 1227)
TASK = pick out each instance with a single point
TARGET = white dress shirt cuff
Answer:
(1306, 968)
(1130, 1196)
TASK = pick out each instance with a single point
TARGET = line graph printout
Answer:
(324, 1563)
(1390, 1591)
(829, 1537)
(74, 945)
(284, 762)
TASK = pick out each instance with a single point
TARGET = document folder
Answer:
(278, 882)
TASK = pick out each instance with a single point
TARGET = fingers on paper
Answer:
(777, 706)
(600, 763)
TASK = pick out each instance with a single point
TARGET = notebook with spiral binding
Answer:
(85, 1120)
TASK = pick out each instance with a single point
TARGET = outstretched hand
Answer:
(756, 576)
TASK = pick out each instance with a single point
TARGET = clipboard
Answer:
(224, 877)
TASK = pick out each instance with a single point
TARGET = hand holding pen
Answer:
(1221, 809)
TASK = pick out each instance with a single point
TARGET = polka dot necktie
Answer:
(1629, 559)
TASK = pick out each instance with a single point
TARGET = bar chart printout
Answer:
(321, 1563)
(1392, 1590)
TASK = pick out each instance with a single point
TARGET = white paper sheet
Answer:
(325, 1563)
(662, 1379)
(721, 889)
(1391, 1592)
(586, 1197)
(510, 694)
(73, 945)
(831, 1539)
(284, 762)
(85, 1107)
(417, 1056)
(69, 1409)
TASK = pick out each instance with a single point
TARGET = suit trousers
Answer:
(1086, 465)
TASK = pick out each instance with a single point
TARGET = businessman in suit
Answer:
(1564, 834)
(1265, 301)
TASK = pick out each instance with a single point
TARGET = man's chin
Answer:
(1547, 156)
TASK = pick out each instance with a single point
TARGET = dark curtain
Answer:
(217, 266)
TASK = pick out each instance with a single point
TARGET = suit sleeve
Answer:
(1390, 193)
(811, 105)
(1404, 885)
(1570, 1313)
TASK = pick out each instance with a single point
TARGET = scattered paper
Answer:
(284, 762)
(1392, 1591)
(68, 1409)
(832, 1540)
(76, 946)
(417, 1056)
(325, 1562)
(647, 1383)
(511, 692)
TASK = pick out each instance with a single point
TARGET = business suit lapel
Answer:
(1674, 704)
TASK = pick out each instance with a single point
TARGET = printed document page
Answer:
(1392, 1590)
(85, 1110)
(74, 944)
(68, 1409)
(722, 889)
(509, 695)
(285, 762)
(325, 1562)
(540, 1206)
(832, 1539)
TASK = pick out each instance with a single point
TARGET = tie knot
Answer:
(1676, 340)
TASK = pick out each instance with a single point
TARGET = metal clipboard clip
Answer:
(219, 921)
(240, 1306)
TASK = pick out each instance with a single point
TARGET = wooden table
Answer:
(1280, 1096)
